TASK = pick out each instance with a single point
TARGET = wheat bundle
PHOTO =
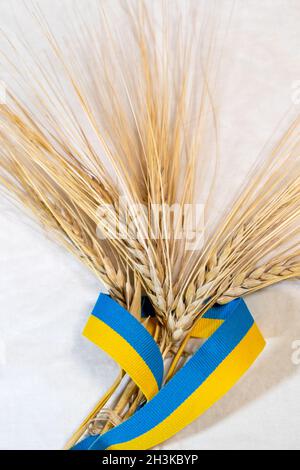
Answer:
(119, 121)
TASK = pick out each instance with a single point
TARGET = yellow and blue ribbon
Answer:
(128, 342)
(234, 342)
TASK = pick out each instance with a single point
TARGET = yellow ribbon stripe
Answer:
(214, 388)
(205, 327)
(234, 342)
(123, 353)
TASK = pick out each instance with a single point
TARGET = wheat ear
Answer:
(267, 275)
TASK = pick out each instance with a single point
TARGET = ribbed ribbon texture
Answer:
(233, 342)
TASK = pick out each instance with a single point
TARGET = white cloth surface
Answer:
(50, 376)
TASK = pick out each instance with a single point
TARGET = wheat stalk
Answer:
(259, 224)
(135, 127)
(60, 215)
(266, 275)
(146, 132)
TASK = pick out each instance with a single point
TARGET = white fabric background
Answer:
(50, 376)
